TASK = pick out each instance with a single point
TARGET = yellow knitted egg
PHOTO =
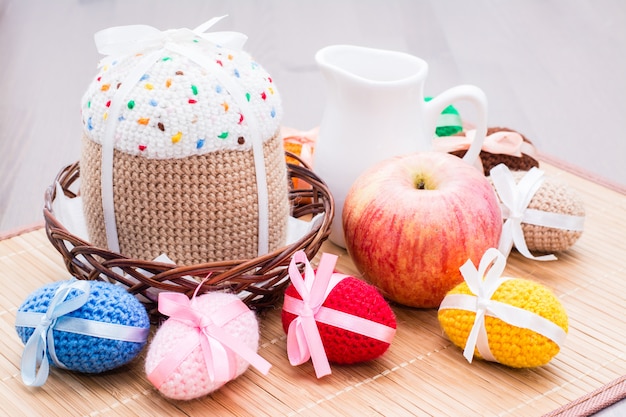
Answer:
(510, 345)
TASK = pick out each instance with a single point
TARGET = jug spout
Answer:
(368, 65)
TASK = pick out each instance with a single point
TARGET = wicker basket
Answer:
(259, 281)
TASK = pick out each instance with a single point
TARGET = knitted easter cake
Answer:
(182, 153)
(525, 160)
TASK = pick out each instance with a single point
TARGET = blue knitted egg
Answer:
(106, 303)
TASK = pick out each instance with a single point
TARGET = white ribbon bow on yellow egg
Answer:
(483, 283)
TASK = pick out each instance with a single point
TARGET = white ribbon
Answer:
(515, 200)
(123, 40)
(483, 283)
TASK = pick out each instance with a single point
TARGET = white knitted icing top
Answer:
(179, 107)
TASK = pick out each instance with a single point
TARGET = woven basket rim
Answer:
(259, 281)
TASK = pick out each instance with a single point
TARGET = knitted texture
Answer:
(197, 209)
(358, 298)
(553, 196)
(514, 163)
(107, 303)
(191, 378)
(510, 345)
(449, 122)
(183, 173)
(179, 108)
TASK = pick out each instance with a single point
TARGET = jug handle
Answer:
(470, 93)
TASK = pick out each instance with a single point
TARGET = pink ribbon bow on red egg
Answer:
(303, 336)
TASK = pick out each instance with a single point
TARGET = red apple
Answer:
(411, 221)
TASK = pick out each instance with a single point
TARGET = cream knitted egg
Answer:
(554, 196)
(553, 219)
(197, 166)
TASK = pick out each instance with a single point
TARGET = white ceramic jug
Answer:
(375, 110)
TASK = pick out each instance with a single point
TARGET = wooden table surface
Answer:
(421, 374)
(552, 70)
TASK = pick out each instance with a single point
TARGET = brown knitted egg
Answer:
(553, 196)
(514, 163)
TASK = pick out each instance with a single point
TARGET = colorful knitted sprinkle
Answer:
(187, 106)
(176, 137)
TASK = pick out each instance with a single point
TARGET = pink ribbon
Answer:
(303, 337)
(503, 143)
(219, 348)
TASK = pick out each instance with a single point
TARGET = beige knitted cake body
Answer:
(202, 208)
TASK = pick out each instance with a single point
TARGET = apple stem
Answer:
(420, 184)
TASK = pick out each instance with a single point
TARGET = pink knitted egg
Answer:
(181, 359)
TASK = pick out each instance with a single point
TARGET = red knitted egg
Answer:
(357, 298)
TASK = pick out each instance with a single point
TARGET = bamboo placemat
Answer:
(421, 373)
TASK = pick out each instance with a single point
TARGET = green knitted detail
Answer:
(449, 122)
